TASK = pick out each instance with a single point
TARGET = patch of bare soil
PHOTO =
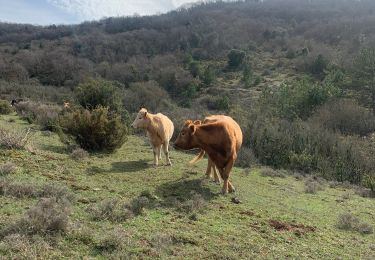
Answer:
(297, 229)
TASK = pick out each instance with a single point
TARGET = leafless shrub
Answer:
(25, 247)
(364, 192)
(48, 217)
(314, 184)
(41, 114)
(365, 228)
(113, 240)
(160, 243)
(18, 190)
(79, 154)
(269, 172)
(7, 168)
(195, 204)
(111, 210)
(347, 221)
(14, 139)
(27, 190)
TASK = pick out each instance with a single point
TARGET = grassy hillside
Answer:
(184, 214)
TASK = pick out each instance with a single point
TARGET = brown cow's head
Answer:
(185, 139)
(142, 120)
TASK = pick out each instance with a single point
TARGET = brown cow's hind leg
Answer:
(225, 175)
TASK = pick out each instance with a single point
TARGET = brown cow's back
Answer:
(230, 121)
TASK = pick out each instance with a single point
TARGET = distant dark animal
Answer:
(16, 101)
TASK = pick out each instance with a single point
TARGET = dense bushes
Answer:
(345, 116)
(298, 99)
(95, 130)
(305, 147)
(43, 115)
(5, 107)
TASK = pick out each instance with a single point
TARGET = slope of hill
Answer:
(125, 208)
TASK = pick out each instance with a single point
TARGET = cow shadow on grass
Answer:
(120, 167)
(54, 148)
(130, 166)
(185, 196)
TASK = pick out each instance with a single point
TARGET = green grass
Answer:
(221, 229)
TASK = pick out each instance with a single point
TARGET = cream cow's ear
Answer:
(145, 114)
(197, 122)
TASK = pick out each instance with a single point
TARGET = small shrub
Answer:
(269, 172)
(96, 130)
(113, 240)
(14, 139)
(318, 65)
(27, 190)
(365, 228)
(195, 204)
(235, 58)
(312, 186)
(79, 154)
(5, 107)
(111, 210)
(7, 168)
(347, 221)
(138, 205)
(47, 217)
(291, 54)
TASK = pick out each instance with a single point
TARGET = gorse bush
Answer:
(96, 130)
(98, 92)
(5, 107)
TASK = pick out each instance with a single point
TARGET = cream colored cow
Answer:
(159, 129)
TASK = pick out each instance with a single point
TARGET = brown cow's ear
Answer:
(192, 129)
(188, 122)
(197, 122)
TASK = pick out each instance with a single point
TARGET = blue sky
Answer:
(44, 12)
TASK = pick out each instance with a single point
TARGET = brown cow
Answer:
(210, 165)
(221, 140)
(159, 129)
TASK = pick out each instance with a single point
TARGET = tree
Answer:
(364, 73)
(247, 75)
(208, 76)
(235, 58)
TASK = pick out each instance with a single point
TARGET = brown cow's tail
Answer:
(198, 157)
